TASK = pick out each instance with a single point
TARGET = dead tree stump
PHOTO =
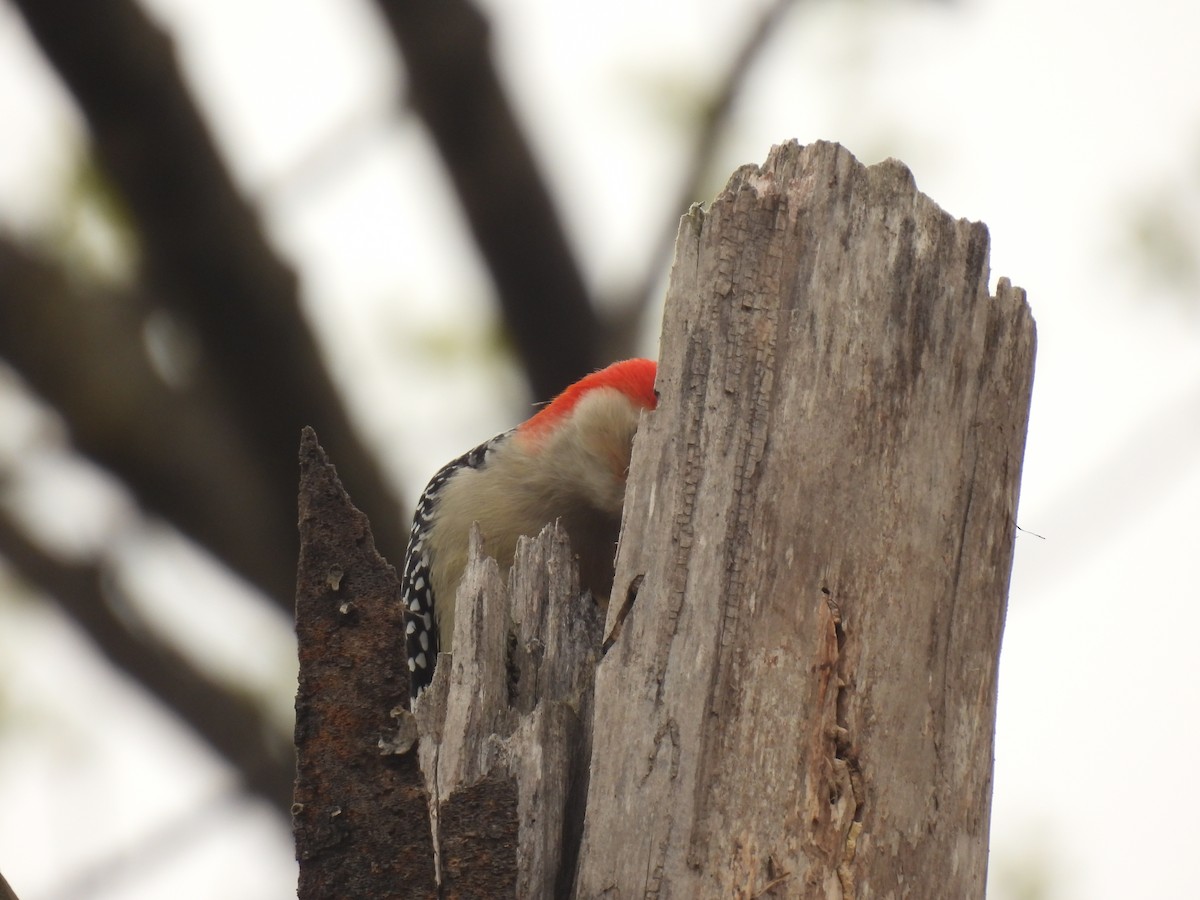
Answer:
(818, 530)
(795, 693)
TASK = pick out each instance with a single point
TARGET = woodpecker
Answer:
(568, 462)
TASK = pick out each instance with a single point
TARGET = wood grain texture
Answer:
(819, 528)
(504, 724)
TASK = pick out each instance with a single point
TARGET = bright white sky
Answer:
(1046, 120)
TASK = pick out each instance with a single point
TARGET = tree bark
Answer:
(496, 808)
(359, 815)
(819, 528)
(505, 725)
(796, 688)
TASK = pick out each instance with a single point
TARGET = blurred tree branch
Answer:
(204, 252)
(177, 450)
(236, 728)
(454, 88)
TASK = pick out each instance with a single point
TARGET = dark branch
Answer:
(232, 726)
(6, 893)
(175, 448)
(204, 250)
(454, 88)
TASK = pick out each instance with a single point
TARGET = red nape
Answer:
(632, 377)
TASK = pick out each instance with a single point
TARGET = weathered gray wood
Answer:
(505, 741)
(819, 528)
(799, 690)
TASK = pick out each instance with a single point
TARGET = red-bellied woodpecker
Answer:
(569, 462)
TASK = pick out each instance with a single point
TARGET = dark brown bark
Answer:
(361, 811)
(479, 839)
